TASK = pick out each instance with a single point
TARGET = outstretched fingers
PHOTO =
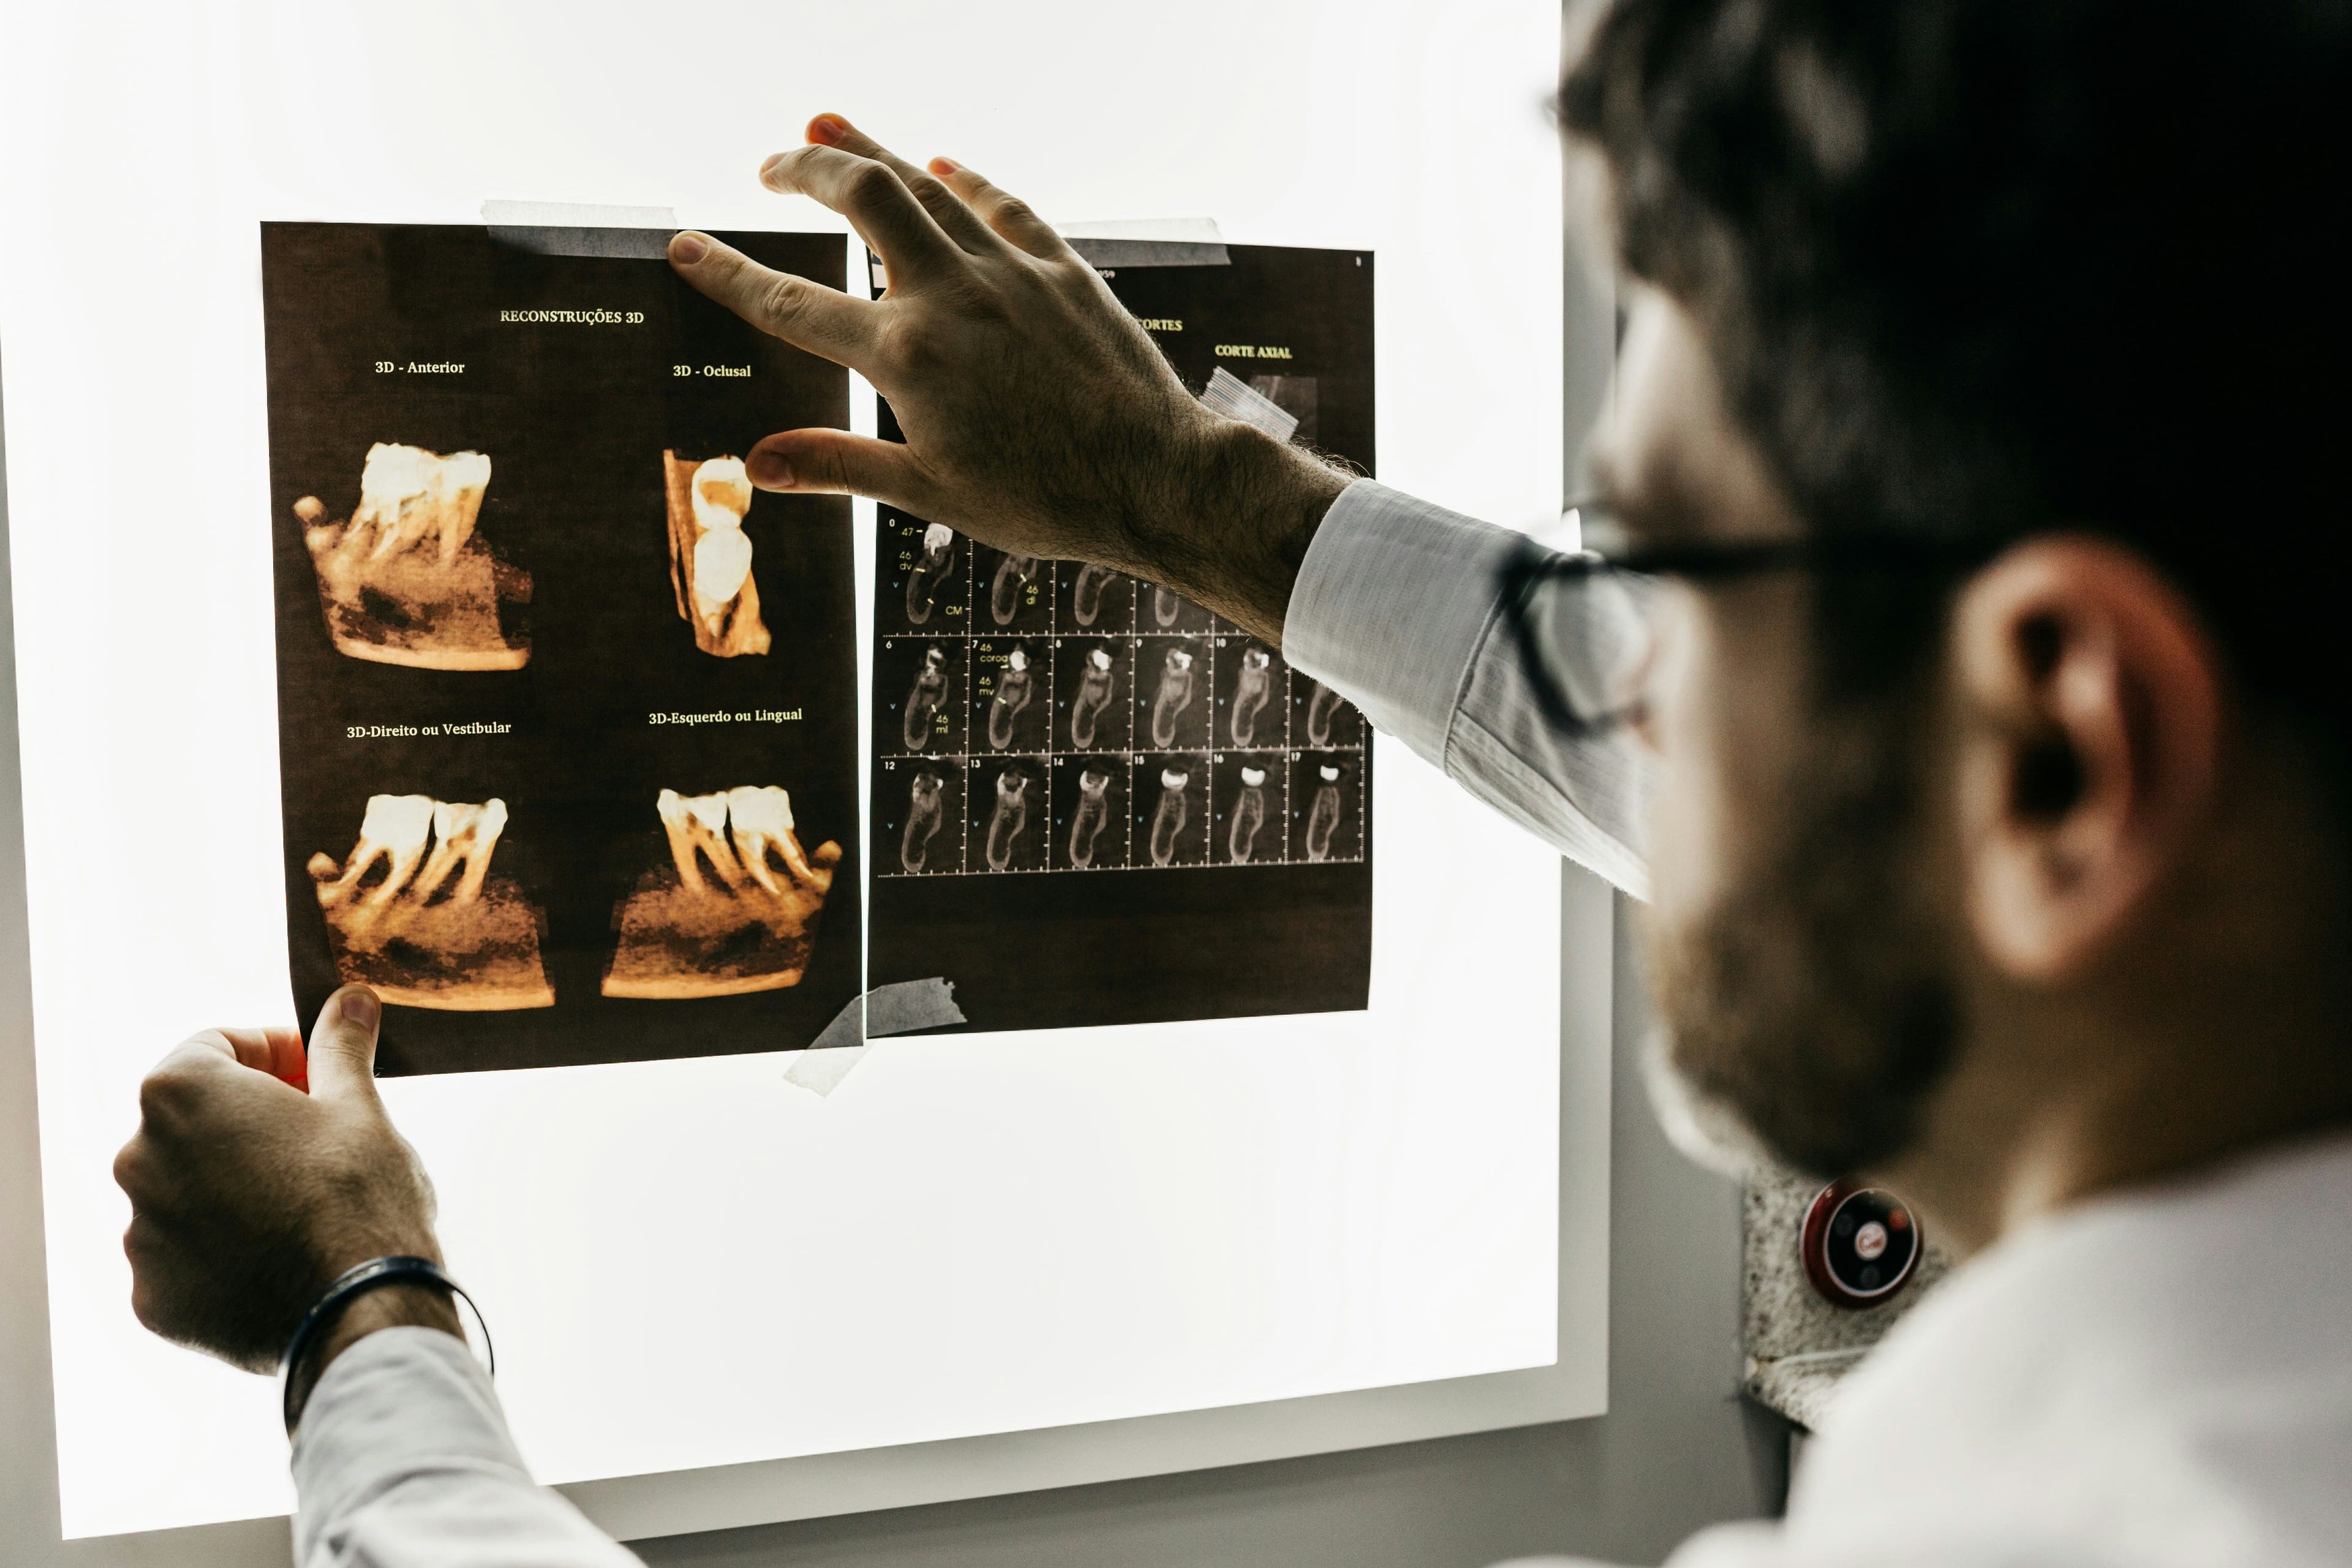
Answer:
(955, 219)
(1007, 215)
(806, 315)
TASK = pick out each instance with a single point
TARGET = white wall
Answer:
(1677, 1449)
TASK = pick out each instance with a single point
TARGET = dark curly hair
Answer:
(1999, 267)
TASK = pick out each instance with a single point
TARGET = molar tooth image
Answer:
(1169, 818)
(710, 557)
(736, 907)
(1094, 696)
(1094, 811)
(1086, 596)
(923, 700)
(1250, 693)
(923, 582)
(438, 931)
(408, 580)
(1249, 815)
(1175, 695)
(1324, 815)
(924, 815)
(1011, 817)
(1014, 574)
(1013, 692)
(1319, 709)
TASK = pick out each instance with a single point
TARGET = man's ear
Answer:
(2090, 743)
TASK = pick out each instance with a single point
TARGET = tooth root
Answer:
(698, 823)
(763, 820)
(408, 494)
(462, 836)
(394, 827)
(671, 806)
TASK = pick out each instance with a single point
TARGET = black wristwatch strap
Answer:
(355, 1283)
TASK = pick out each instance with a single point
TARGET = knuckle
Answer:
(782, 299)
(870, 183)
(163, 1095)
(1012, 209)
(132, 1165)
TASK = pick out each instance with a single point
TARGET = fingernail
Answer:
(768, 470)
(358, 1006)
(768, 169)
(946, 167)
(687, 248)
(827, 129)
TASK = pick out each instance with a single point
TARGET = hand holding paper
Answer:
(248, 1196)
(1040, 418)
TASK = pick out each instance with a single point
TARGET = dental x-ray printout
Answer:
(567, 710)
(1093, 801)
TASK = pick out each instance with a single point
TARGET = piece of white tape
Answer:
(1148, 242)
(899, 1008)
(1230, 396)
(582, 228)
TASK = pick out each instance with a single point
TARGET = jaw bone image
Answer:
(1094, 811)
(1086, 596)
(1013, 693)
(1168, 818)
(923, 582)
(1165, 606)
(735, 911)
(924, 814)
(1319, 709)
(1014, 574)
(408, 581)
(1324, 815)
(709, 558)
(1249, 815)
(1250, 693)
(437, 930)
(1010, 819)
(1094, 696)
(923, 698)
(1175, 695)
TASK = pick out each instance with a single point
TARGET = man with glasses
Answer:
(1955, 683)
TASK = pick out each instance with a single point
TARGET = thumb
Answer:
(835, 462)
(343, 1046)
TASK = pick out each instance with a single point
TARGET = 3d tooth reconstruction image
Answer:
(710, 556)
(735, 909)
(408, 580)
(414, 910)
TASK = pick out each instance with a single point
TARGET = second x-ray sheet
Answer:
(567, 710)
(1094, 802)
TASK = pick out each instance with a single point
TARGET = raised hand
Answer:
(1039, 418)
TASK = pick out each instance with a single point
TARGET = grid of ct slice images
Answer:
(1050, 716)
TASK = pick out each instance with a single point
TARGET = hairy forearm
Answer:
(386, 1307)
(1232, 529)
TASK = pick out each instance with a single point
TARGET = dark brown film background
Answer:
(575, 419)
